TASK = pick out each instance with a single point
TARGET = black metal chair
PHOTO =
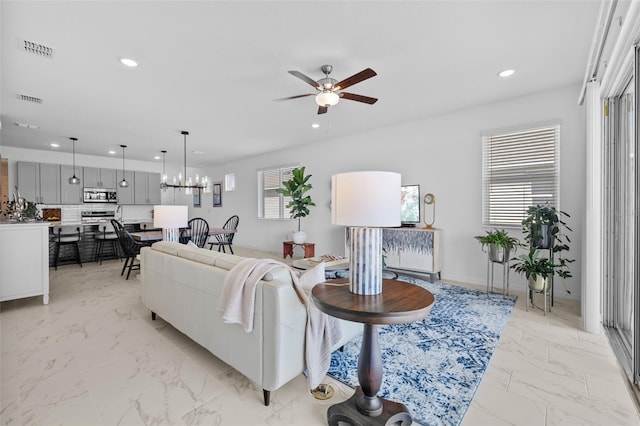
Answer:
(130, 247)
(197, 231)
(67, 236)
(106, 236)
(223, 240)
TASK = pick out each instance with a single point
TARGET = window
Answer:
(519, 169)
(271, 205)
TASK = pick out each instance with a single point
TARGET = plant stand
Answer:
(505, 274)
(547, 294)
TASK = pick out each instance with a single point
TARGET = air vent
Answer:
(38, 49)
(28, 98)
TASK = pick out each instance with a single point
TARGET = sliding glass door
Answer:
(621, 268)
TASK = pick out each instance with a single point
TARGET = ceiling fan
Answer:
(329, 90)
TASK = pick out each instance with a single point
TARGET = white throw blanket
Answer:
(238, 298)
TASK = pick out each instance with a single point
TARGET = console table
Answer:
(287, 249)
(399, 302)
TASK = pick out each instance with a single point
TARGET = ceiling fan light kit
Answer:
(329, 90)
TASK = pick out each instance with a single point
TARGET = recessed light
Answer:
(55, 145)
(157, 157)
(315, 125)
(506, 73)
(112, 152)
(129, 62)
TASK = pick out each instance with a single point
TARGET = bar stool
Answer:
(66, 236)
(106, 236)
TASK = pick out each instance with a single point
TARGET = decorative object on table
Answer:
(21, 210)
(429, 200)
(296, 187)
(217, 194)
(329, 90)
(74, 180)
(123, 183)
(365, 202)
(449, 351)
(544, 228)
(183, 182)
(170, 219)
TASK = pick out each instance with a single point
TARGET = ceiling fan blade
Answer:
(359, 98)
(304, 78)
(322, 109)
(356, 78)
(295, 97)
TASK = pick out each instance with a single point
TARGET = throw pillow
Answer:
(312, 277)
(191, 244)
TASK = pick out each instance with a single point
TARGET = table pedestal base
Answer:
(393, 413)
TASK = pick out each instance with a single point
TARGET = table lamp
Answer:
(365, 201)
(170, 219)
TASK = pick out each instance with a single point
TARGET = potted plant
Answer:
(499, 244)
(296, 188)
(544, 228)
(538, 270)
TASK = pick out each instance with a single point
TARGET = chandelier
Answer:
(182, 182)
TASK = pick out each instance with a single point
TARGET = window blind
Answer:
(520, 169)
(271, 205)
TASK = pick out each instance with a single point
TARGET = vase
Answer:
(498, 254)
(539, 284)
(299, 237)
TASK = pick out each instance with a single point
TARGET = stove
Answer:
(97, 215)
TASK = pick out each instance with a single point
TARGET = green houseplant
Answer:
(499, 244)
(544, 228)
(296, 188)
(538, 270)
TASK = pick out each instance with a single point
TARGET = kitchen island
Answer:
(24, 260)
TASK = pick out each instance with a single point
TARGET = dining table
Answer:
(152, 236)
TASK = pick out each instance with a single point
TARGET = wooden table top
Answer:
(399, 302)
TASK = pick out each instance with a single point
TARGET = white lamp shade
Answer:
(167, 217)
(366, 199)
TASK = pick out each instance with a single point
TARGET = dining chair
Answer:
(106, 236)
(197, 231)
(223, 240)
(130, 247)
(66, 236)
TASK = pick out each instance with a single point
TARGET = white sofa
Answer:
(182, 285)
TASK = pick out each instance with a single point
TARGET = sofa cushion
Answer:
(312, 276)
(167, 247)
(197, 254)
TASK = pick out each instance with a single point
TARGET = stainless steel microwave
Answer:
(100, 195)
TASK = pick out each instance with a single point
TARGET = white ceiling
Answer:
(214, 67)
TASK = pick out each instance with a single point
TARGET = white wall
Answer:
(442, 154)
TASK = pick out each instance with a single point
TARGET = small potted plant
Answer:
(499, 244)
(296, 188)
(539, 270)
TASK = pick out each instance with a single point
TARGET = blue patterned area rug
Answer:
(434, 366)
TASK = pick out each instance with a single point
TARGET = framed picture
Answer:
(196, 197)
(217, 194)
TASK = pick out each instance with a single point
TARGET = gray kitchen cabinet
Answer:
(70, 193)
(94, 177)
(125, 195)
(147, 188)
(39, 182)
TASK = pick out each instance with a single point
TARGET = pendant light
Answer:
(183, 182)
(123, 183)
(163, 179)
(74, 180)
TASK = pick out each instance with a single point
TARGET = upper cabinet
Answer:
(99, 178)
(69, 192)
(147, 188)
(125, 195)
(39, 182)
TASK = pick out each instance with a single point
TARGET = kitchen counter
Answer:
(24, 260)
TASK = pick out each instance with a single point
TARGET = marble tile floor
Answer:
(94, 357)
